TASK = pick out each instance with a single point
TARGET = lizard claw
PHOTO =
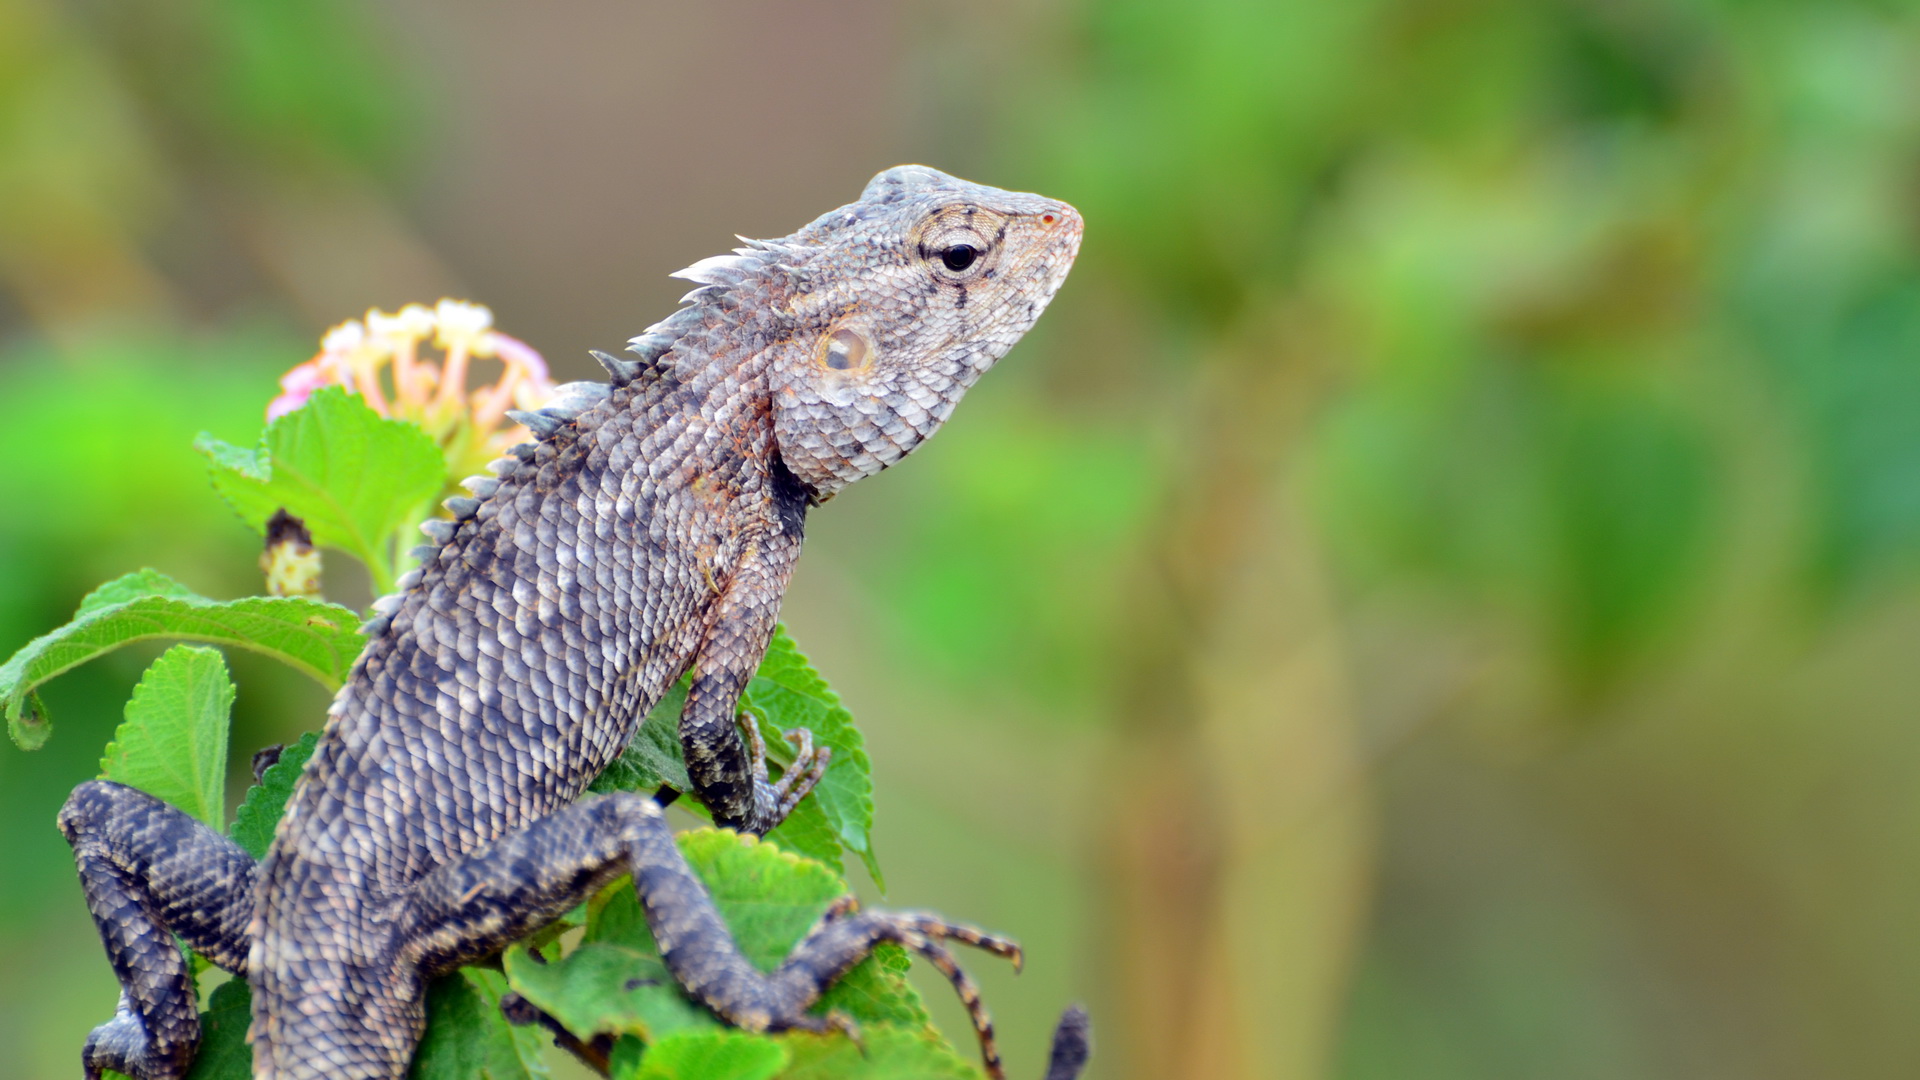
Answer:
(924, 934)
(756, 747)
(839, 1021)
(773, 801)
(809, 766)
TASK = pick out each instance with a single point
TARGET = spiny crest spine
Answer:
(715, 277)
(385, 606)
(572, 399)
(650, 347)
(719, 269)
(540, 422)
(619, 372)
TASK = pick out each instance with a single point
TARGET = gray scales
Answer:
(648, 532)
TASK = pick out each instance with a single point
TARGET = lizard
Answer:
(647, 532)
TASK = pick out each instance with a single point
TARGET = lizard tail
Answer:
(1072, 1045)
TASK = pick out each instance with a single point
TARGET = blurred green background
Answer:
(1435, 598)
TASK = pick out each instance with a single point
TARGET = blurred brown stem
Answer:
(1236, 884)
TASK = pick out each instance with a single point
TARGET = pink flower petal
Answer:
(285, 404)
(519, 354)
(304, 379)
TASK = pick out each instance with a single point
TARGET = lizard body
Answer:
(648, 532)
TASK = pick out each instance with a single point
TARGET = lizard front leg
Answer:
(730, 782)
(150, 871)
(471, 909)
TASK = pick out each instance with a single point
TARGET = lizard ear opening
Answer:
(846, 349)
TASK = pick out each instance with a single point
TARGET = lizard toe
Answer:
(775, 801)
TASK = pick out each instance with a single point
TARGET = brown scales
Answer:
(650, 532)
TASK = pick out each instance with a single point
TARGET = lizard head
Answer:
(900, 302)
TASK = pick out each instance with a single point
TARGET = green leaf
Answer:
(130, 587)
(890, 1054)
(312, 636)
(876, 991)
(29, 724)
(769, 898)
(616, 983)
(1631, 487)
(173, 743)
(355, 477)
(602, 987)
(224, 1053)
(467, 1038)
(260, 810)
(788, 693)
(808, 832)
(709, 1055)
(652, 758)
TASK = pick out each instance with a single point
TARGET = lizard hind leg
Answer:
(150, 871)
(470, 909)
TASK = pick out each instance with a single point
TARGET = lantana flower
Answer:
(430, 390)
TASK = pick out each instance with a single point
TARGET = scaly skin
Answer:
(649, 532)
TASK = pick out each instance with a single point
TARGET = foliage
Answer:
(467, 1037)
(260, 810)
(223, 1034)
(174, 743)
(358, 480)
(707, 1055)
(315, 638)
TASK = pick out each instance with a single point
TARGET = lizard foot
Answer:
(925, 934)
(124, 1045)
(773, 801)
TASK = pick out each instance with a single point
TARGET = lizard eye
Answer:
(959, 243)
(959, 257)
